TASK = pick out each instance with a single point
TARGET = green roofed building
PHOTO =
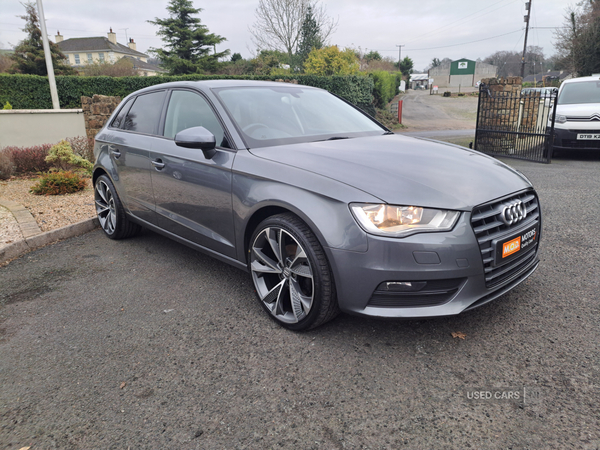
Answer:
(463, 72)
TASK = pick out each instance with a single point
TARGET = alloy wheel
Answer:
(282, 275)
(105, 207)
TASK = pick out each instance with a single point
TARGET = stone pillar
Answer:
(96, 111)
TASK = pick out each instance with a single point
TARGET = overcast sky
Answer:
(428, 29)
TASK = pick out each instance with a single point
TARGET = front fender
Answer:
(272, 185)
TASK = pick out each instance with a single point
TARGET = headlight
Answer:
(560, 118)
(401, 221)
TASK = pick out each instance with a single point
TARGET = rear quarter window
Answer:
(119, 120)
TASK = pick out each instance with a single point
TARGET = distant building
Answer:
(463, 72)
(547, 78)
(91, 50)
(419, 81)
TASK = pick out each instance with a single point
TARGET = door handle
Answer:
(158, 164)
(114, 151)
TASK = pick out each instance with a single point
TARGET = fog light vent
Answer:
(402, 286)
(407, 294)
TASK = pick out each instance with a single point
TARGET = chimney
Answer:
(112, 37)
(58, 38)
(132, 45)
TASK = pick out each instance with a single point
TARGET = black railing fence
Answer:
(516, 124)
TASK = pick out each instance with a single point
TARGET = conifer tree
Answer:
(190, 48)
(28, 57)
(310, 36)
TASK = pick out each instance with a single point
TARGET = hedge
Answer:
(385, 86)
(33, 91)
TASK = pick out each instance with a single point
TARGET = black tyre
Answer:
(291, 273)
(111, 213)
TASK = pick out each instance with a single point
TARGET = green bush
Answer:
(61, 156)
(7, 105)
(385, 86)
(58, 183)
(7, 166)
(33, 92)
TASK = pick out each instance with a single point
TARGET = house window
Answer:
(101, 56)
(90, 60)
(77, 59)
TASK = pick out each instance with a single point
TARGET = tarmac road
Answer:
(146, 344)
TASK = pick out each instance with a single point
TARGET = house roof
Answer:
(96, 44)
(560, 74)
(139, 64)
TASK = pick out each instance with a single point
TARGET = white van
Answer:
(577, 121)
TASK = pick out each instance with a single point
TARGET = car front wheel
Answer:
(291, 273)
(110, 211)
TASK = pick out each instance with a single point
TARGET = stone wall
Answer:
(97, 110)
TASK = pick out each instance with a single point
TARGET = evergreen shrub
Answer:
(61, 157)
(58, 183)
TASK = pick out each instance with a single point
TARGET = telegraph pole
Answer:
(48, 55)
(528, 8)
(399, 54)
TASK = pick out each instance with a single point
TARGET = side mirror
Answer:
(197, 137)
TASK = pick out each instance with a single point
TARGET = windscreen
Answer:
(582, 92)
(268, 116)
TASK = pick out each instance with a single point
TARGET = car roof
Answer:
(212, 84)
(595, 77)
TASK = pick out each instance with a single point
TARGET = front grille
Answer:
(489, 228)
(592, 118)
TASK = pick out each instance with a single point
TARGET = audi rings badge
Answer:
(513, 213)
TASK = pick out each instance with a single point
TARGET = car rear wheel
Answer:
(291, 273)
(110, 211)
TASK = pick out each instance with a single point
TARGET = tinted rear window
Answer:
(144, 115)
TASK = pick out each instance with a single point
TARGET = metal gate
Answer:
(516, 124)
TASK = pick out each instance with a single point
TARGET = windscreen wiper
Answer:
(335, 138)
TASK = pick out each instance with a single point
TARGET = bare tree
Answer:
(577, 41)
(278, 24)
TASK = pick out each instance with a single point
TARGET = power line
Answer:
(438, 30)
(464, 43)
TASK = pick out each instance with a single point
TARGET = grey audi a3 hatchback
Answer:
(325, 208)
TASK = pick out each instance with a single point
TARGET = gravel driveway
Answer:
(146, 344)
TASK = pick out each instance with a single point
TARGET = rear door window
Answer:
(144, 115)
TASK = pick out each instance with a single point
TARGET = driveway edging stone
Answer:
(28, 244)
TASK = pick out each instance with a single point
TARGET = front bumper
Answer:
(566, 139)
(451, 263)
